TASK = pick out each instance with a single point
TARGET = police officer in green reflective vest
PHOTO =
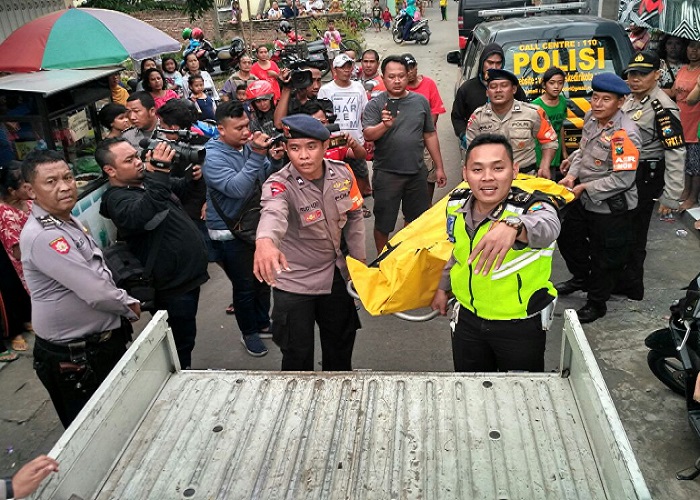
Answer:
(500, 267)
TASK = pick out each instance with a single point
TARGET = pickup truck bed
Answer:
(153, 431)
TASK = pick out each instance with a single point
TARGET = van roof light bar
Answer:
(513, 11)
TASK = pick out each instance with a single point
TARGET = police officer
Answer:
(306, 208)
(661, 161)
(77, 310)
(596, 233)
(521, 123)
(504, 241)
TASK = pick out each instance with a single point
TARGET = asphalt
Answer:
(652, 416)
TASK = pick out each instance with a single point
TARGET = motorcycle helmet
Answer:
(186, 33)
(197, 34)
(259, 89)
(237, 48)
(285, 27)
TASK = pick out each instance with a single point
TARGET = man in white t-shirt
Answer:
(349, 100)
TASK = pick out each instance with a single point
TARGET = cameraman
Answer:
(149, 218)
(294, 97)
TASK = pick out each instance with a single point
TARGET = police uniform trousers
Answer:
(650, 185)
(72, 372)
(595, 248)
(293, 319)
(482, 345)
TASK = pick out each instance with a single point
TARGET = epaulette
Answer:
(460, 194)
(49, 221)
(525, 199)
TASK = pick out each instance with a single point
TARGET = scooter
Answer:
(674, 358)
(419, 33)
(225, 59)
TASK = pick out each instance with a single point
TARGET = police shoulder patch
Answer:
(60, 245)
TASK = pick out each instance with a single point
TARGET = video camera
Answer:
(337, 141)
(300, 78)
(185, 154)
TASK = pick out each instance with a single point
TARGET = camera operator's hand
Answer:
(351, 142)
(277, 151)
(285, 76)
(196, 172)
(162, 154)
(260, 142)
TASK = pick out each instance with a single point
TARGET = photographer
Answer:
(299, 86)
(149, 218)
(236, 166)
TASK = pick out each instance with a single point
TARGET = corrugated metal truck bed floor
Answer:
(365, 435)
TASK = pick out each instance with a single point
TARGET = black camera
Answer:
(185, 154)
(300, 78)
(336, 141)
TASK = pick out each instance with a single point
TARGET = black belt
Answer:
(82, 343)
(529, 168)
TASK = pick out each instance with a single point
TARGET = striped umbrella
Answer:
(81, 38)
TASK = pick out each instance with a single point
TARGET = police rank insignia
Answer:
(637, 115)
(60, 245)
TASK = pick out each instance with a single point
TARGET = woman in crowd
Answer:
(686, 92)
(243, 75)
(154, 83)
(262, 110)
(15, 205)
(672, 51)
(554, 105)
(115, 118)
(146, 64)
(266, 70)
(191, 69)
(173, 78)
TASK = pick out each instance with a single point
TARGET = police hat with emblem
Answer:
(644, 62)
(502, 74)
(304, 126)
(610, 82)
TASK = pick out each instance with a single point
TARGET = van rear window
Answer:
(580, 58)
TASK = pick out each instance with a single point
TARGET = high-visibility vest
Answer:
(521, 287)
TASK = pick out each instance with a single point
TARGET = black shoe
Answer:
(570, 286)
(633, 291)
(590, 312)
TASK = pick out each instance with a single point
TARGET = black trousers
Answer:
(293, 319)
(648, 189)
(595, 248)
(71, 384)
(481, 345)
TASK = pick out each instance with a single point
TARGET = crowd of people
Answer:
(278, 202)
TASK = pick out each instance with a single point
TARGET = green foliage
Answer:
(193, 8)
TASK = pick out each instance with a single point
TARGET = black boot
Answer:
(570, 286)
(591, 312)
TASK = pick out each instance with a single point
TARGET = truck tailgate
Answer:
(357, 435)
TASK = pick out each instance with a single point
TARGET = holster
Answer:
(617, 203)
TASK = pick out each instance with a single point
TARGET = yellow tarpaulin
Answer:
(405, 276)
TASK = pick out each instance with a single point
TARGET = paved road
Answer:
(653, 417)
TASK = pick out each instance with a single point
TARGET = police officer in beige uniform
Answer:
(77, 311)
(521, 123)
(596, 233)
(661, 160)
(306, 208)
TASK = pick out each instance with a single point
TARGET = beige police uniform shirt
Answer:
(524, 126)
(641, 112)
(73, 294)
(594, 163)
(306, 224)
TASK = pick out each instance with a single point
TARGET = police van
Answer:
(583, 46)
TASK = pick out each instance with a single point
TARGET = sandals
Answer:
(19, 344)
(8, 356)
(230, 309)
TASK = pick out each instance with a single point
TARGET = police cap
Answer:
(502, 74)
(304, 126)
(609, 82)
(644, 62)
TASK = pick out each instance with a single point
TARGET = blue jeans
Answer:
(182, 318)
(251, 299)
(407, 29)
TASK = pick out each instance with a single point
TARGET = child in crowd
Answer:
(332, 39)
(172, 76)
(377, 16)
(240, 91)
(206, 107)
(115, 118)
(386, 18)
(554, 105)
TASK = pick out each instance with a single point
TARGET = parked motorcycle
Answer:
(419, 33)
(225, 59)
(674, 358)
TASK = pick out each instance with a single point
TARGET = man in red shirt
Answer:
(427, 87)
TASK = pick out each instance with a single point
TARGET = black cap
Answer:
(409, 59)
(304, 126)
(644, 62)
(502, 74)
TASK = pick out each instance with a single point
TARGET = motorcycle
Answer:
(419, 33)
(674, 358)
(225, 59)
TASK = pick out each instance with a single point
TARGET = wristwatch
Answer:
(9, 492)
(514, 222)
